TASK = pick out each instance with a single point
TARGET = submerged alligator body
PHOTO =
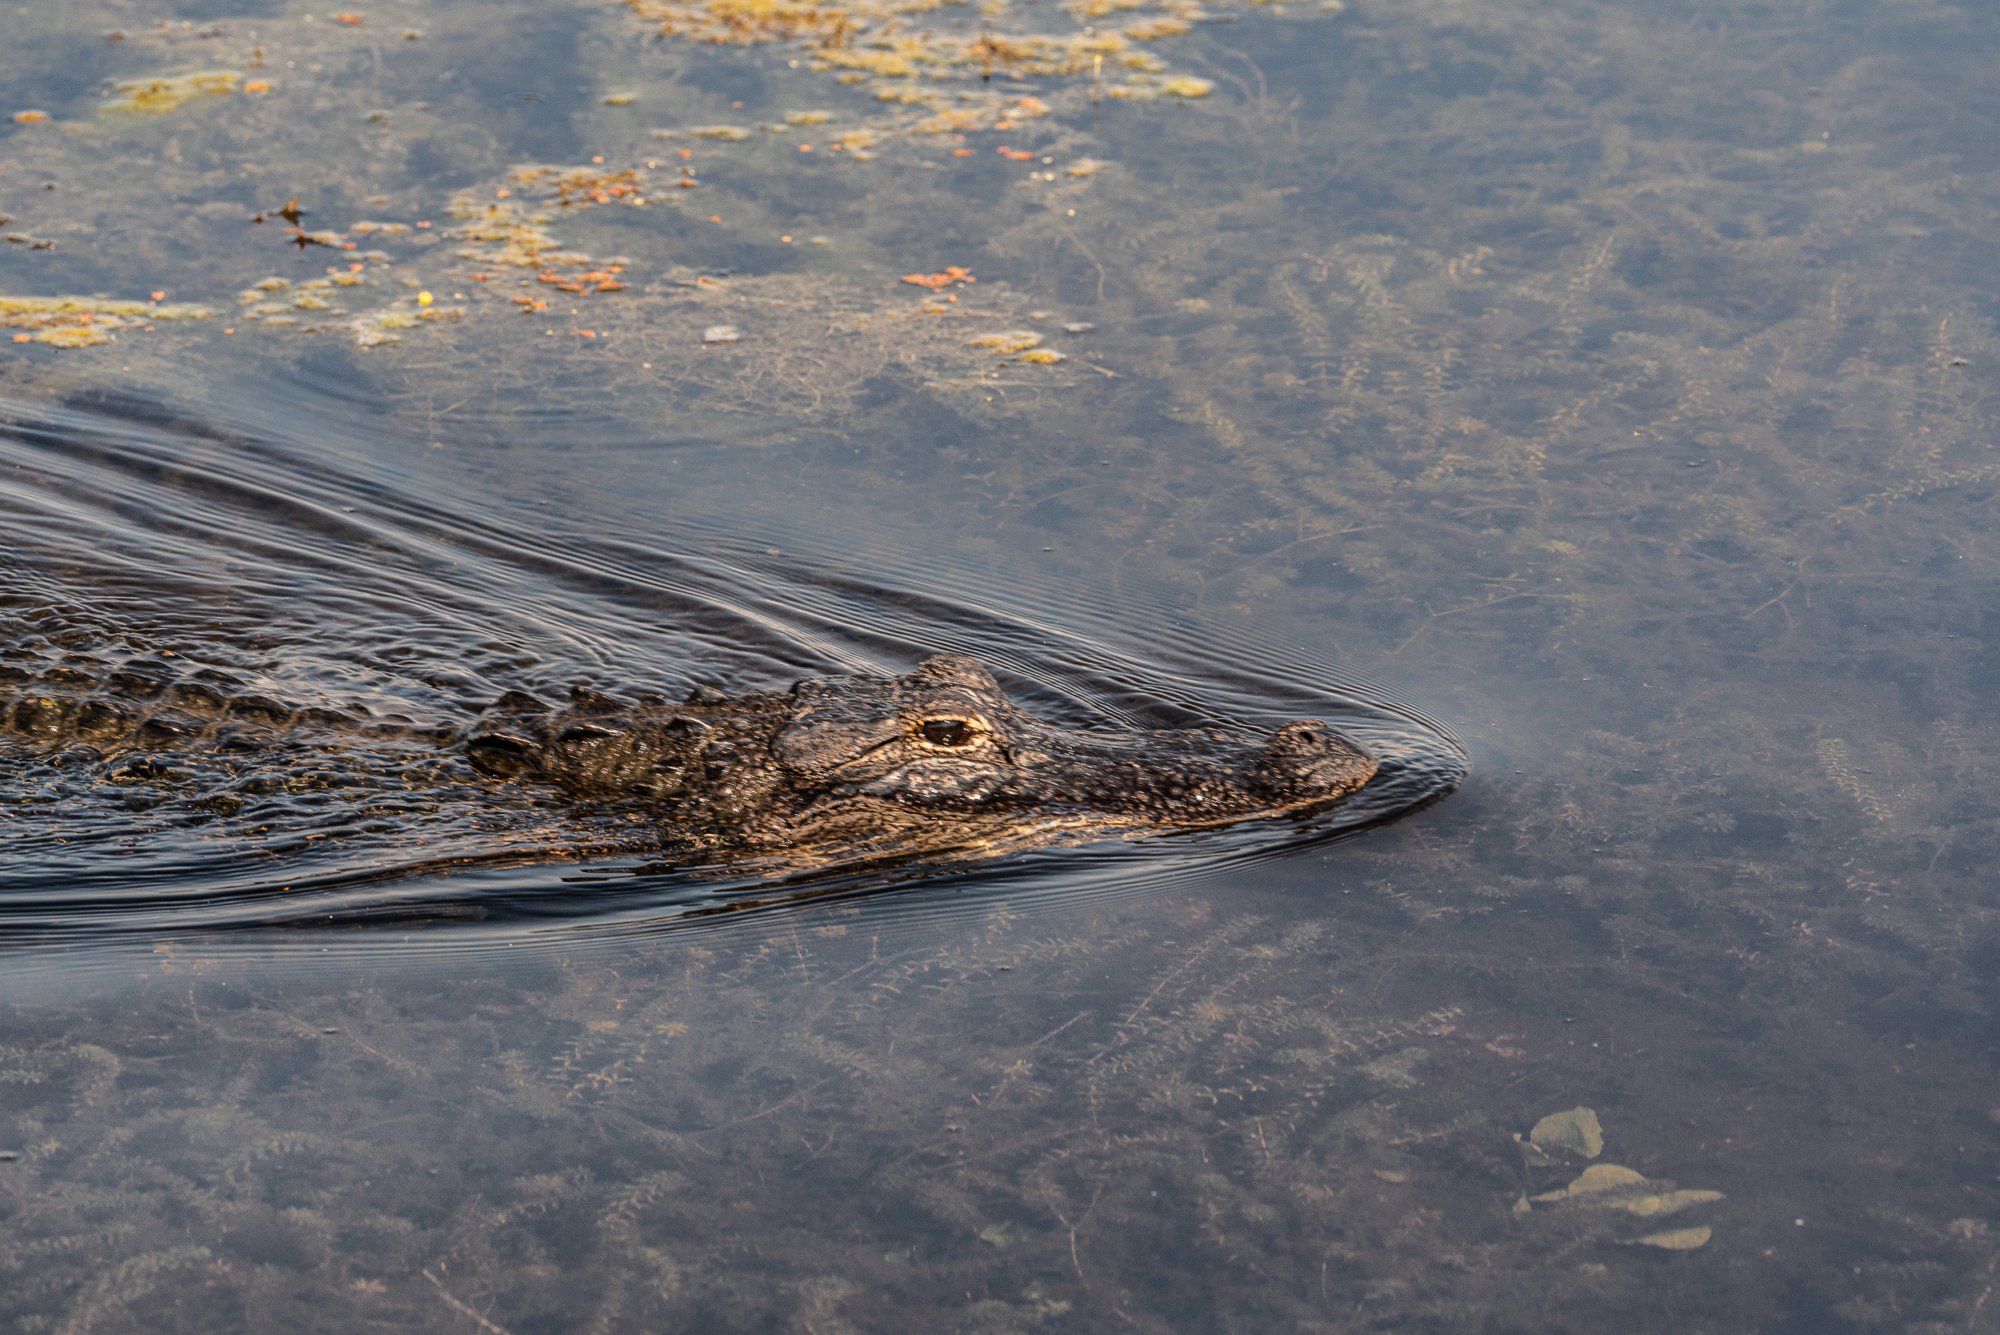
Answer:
(935, 762)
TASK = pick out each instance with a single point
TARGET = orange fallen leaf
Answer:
(350, 19)
(1015, 154)
(944, 278)
(257, 86)
(30, 118)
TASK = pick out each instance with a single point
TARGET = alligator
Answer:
(936, 762)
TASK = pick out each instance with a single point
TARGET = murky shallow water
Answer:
(1613, 384)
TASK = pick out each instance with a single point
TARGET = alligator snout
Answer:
(1307, 761)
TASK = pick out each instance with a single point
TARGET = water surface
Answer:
(1608, 387)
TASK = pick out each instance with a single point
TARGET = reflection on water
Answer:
(1616, 383)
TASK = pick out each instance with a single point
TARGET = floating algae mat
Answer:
(78, 322)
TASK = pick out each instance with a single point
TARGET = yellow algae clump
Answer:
(746, 21)
(500, 233)
(157, 97)
(875, 37)
(902, 54)
(857, 144)
(81, 322)
(71, 336)
(808, 118)
(1006, 343)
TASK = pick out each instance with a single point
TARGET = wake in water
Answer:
(209, 722)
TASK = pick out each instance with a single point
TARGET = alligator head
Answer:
(936, 761)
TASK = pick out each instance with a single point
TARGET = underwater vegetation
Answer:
(677, 1145)
(1624, 380)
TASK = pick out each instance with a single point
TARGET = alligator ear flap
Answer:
(953, 670)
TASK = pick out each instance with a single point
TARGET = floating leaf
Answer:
(1576, 1131)
(1596, 1180)
(1667, 1202)
(1677, 1239)
(946, 277)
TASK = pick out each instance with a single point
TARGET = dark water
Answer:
(1610, 388)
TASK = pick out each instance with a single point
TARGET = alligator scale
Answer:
(935, 762)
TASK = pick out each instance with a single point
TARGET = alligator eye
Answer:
(946, 731)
